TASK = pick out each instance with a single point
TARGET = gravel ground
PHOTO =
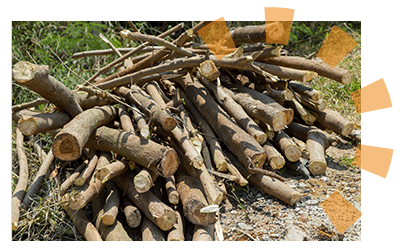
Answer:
(264, 218)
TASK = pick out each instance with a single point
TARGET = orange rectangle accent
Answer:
(373, 159)
(282, 16)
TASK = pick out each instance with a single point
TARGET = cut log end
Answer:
(27, 126)
(169, 124)
(167, 220)
(317, 167)
(66, 147)
(262, 138)
(347, 129)
(277, 162)
(76, 201)
(309, 75)
(169, 164)
(279, 121)
(24, 72)
(103, 174)
(296, 197)
(79, 181)
(346, 78)
(142, 183)
(292, 153)
(108, 220)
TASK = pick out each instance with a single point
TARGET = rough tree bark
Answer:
(37, 78)
(68, 144)
(334, 121)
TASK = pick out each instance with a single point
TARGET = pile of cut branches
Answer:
(158, 138)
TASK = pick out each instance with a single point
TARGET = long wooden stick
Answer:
(20, 188)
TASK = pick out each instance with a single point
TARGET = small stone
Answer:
(294, 233)
(311, 202)
(244, 226)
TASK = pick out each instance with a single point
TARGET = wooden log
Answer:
(142, 126)
(92, 189)
(177, 232)
(88, 171)
(170, 187)
(259, 110)
(37, 78)
(270, 185)
(291, 151)
(116, 231)
(303, 113)
(257, 34)
(237, 112)
(287, 73)
(289, 114)
(152, 207)
(70, 180)
(274, 158)
(87, 101)
(337, 74)
(150, 232)
(160, 116)
(68, 144)
(280, 96)
(238, 141)
(125, 119)
(132, 213)
(110, 209)
(304, 90)
(158, 158)
(192, 198)
(108, 171)
(81, 223)
(215, 147)
(203, 233)
(334, 121)
(22, 183)
(144, 180)
(31, 123)
(38, 180)
(317, 142)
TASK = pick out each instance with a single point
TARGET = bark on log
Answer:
(177, 232)
(125, 119)
(70, 180)
(170, 186)
(192, 198)
(110, 209)
(270, 185)
(81, 223)
(215, 147)
(115, 232)
(160, 116)
(203, 233)
(317, 142)
(22, 183)
(37, 78)
(132, 213)
(244, 146)
(258, 34)
(150, 232)
(34, 122)
(287, 73)
(154, 209)
(337, 74)
(160, 159)
(144, 180)
(37, 182)
(303, 113)
(88, 171)
(237, 112)
(106, 172)
(291, 151)
(274, 158)
(304, 90)
(334, 121)
(289, 114)
(68, 144)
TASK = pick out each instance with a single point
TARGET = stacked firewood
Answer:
(158, 138)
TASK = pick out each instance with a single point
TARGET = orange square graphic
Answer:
(375, 160)
(278, 22)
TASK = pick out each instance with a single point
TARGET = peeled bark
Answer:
(158, 158)
(291, 151)
(177, 232)
(68, 143)
(189, 189)
(152, 207)
(274, 158)
(170, 186)
(37, 78)
(243, 145)
(144, 180)
(110, 208)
